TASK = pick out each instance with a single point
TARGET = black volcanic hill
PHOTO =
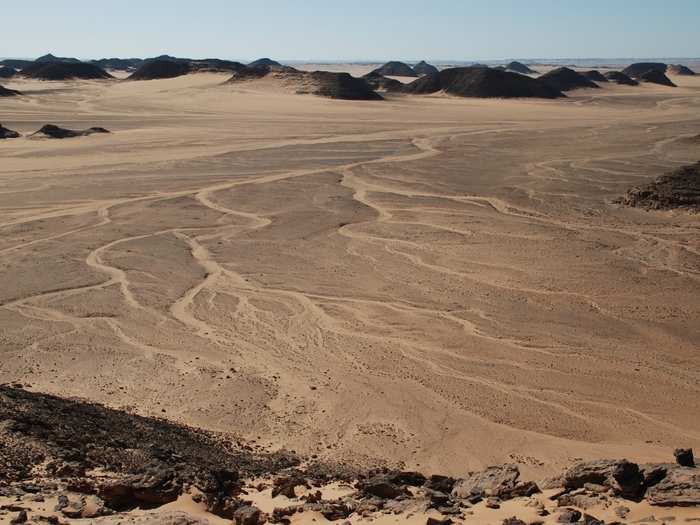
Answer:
(595, 76)
(423, 68)
(396, 69)
(4, 92)
(620, 78)
(56, 132)
(216, 65)
(654, 76)
(341, 86)
(677, 189)
(565, 79)
(264, 62)
(519, 67)
(158, 69)
(15, 63)
(482, 82)
(51, 58)
(64, 71)
(679, 69)
(7, 72)
(377, 81)
(118, 64)
(639, 68)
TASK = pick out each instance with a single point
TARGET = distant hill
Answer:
(51, 58)
(268, 62)
(396, 69)
(7, 72)
(638, 69)
(519, 67)
(679, 69)
(654, 76)
(15, 63)
(594, 75)
(482, 82)
(620, 78)
(380, 82)
(64, 71)
(119, 64)
(565, 79)
(423, 68)
(159, 69)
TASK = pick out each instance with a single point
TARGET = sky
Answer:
(359, 30)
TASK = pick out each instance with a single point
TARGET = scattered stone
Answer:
(492, 503)
(247, 515)
(569, 516)
(591, 520)
(684, 456)
(679, 188)
(436, 521)
(381, 487)
(498, 481)
(513, 521)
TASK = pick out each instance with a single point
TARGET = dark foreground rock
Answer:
(621, 476)
(64, 71)
(5, 92)
(620, 78)
(56, 132)
(677, 189)
(684, 457)
(481, 82)
(8, 133)
(497, 481)
(565, 79)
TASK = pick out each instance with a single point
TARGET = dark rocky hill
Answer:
(119, 64)
(423, 68)
(654, 76)
(64, 71)
(679, 69)
(7, 72)
(594, 75)
(519, 67)
(15, 63)
(620, 78)
(261, 62)
(158, 69)
(481, 82)
(48, 58)
(639, 68)
(380, 82)
(396, 69)
(5, 92)
(55, 132)
(340, 86)
(677, 189)
(565, 79)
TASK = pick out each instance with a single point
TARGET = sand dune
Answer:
(440, 282)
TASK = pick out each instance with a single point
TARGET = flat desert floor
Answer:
(442, 282)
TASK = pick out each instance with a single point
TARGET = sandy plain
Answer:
(444, 283)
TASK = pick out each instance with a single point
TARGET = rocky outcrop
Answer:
(481, 82)
(595, 76)
(6, 133)
(519, 67)
(621, 476)
(656, 77)
(639, 68)
(680, 70)
(264, 62)
(684, 457)
(7, 72)
(159, 69)
(64, 71)
(382, 83)
(339, 86)
(565, 79)
(5, 92)
(679, 488)
(396, 69)
(496, 481)
(620, 78)
(677, 189)
(423, 68)
(55, 132)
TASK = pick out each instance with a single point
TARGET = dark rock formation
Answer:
(680, 488)
(519, 67)
(7, 72)
(684, 457)
(55, 132)
(679, 69)
(119, 64)
(264, 62)
(7, 133)
(623, 477)
(565, 79)
(396, 69)
(496, 481)
(49, 58)
(423, 68)
(5, 92)
(380, 82)
(158, 69)
(639, 68)
(677, 189)
(656, 77)
(594, 75)
(481, 82)
(15, 63)
(340, 86)
(620, 78)
(64, 71)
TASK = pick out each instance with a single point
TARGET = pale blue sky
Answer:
(360, 29)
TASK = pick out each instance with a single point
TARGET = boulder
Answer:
(146, 491)
(382, 487)
(497, 481)
(680, 488)
(247, 515)
(684, 457)
(622, 476)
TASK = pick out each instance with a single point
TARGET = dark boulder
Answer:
(496, 481)
(146, 491)
(684, 457)
(247, 515)
(382, 487)
(622, 476)
(565, 79)
(440, 483)
(680, 488)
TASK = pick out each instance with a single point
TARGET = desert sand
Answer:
(429, 281)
